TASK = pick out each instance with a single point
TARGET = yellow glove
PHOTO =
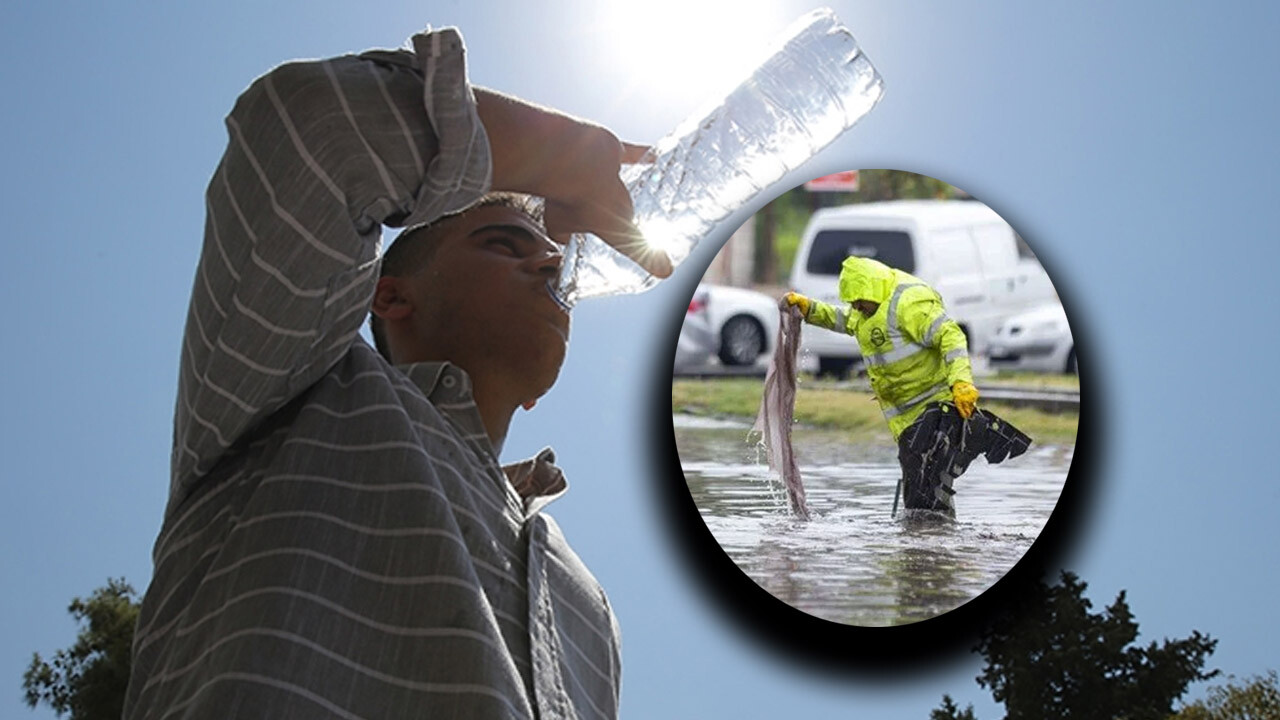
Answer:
(799, 301)
(966, 398)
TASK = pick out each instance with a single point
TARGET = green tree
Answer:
(877, 185)
(1049, 657)
(1257, 699)
(950, 711)
(88, 679)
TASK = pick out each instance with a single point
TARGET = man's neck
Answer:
(495, 396)
(496, 411)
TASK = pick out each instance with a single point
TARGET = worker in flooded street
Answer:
(917, 359)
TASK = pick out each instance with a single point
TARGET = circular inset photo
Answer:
(875, 398)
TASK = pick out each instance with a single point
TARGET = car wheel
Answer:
(1071, 363)
(741, 341)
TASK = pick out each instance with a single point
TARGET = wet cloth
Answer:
(939, 446)
(340, 540)
(777, 406)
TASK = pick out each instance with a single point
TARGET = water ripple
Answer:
(852, 563)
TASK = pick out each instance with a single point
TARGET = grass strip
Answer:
(823, 404)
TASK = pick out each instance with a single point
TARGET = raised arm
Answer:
(319, 156)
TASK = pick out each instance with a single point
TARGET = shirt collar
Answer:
(448, 387)
(536, 480)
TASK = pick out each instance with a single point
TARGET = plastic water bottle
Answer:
(815, 85)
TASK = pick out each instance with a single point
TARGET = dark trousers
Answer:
(938, 447)
(925, 485)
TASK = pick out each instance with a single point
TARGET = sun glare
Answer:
(687, 51)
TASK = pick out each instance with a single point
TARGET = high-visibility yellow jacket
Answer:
(913, 352)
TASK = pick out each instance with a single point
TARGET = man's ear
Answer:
(390, 302)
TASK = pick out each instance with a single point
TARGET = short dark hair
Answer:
(412, 249)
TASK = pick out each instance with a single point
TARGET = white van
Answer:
(962, 248)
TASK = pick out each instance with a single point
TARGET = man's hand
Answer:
(795, 299)
(574, 165)
(965, 396)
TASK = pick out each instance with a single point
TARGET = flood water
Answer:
(852, 563)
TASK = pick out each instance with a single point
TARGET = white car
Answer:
(742, 323)
(1038, 339)
(696, 344)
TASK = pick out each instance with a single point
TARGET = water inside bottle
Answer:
(815, 86)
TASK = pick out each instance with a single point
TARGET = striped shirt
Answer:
(340, 540)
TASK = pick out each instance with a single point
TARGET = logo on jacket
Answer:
(877, 337)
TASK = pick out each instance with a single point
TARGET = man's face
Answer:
(481, 302)
(866, 307)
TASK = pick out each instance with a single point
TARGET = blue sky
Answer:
(1132, 143)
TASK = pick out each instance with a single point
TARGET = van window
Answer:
(831, 247)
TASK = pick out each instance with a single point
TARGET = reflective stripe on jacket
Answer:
(913, 351)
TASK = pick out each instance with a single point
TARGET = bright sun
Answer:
(687, 51)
